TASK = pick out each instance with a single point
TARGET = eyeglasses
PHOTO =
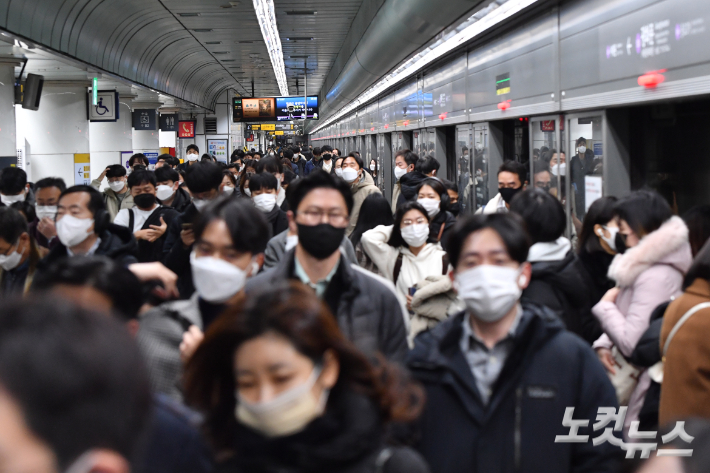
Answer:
(408, 222)
(315, 217)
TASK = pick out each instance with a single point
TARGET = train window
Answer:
(584, 165)
(465, 177)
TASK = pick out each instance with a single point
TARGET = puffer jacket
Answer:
(360, 189)
(365, 306)
(434, 301)
(648, 274)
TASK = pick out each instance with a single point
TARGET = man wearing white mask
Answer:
(169, 192)
(264, 195)
(19, 254)
(404, 162)
(116, 197)
(361, 185)
(13, 186)
(84, 228)
(192, 155)
(503, 373)
(230, 238)
(581, 165)
(47, 192)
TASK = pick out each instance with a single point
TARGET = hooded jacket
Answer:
(557, 282)
(648, 274)
(360, 189)
(111, 199)
(365, 306)
(408, 185)
(547, 370)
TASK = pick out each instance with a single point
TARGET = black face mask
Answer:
(455, 209)
(144, 201)
(320, 241)
(620, 243)
(508, 193)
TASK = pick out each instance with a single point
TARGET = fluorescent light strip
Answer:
(424, 57)
(267, 21)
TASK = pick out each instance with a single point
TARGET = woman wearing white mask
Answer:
(281, 389)
(433, 196)
(264, 194)
(229, 184)
(19, 253)
(404, 253)
(230, 238)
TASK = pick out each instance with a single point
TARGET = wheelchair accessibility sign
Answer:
(106, 108)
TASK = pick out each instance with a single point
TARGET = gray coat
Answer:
(276, 248)
(368, 311)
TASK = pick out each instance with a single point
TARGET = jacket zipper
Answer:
(518, 427)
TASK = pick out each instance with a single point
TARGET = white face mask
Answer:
(265, 202)
(373, 167)
(72, 230)
(247, 191)
(193, 157)
(349, 174)
(216, 280)
(117, 185)
(11, 261)
(399, 172)
(415, 235)
(489, 291)
(201, 203)
(45, 211)
(582, 149)
(287, 413)
(611, 241)
(11, 199)
(430, 205)
(339, 172)
(559, 169)
(227, 190)
(291, 242)
(164, 192)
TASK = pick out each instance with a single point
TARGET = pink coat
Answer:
(648, 274)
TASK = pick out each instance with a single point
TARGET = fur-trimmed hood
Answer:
(667, 245)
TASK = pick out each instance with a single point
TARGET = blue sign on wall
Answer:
(598, 149)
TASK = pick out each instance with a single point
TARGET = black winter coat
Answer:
(560, 286)
(149, 252)
(365, 306)
(596, 267)
(182, 200)
(548, 370)
(277, 220)
(409, 184)
(176, 256)
(446, 219)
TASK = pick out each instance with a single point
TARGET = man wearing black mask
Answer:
(512, 179)
(365, 306)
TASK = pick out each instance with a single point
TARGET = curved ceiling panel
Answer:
(139, 40)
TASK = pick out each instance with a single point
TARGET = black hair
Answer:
(105, 275)
(96, 200)
(140, 177)
(644, 210)
(427, 164)
(207, 158)
(600, 212)
(289, 177)
(169, 159)
(115, 170)
(700, 267)
(192, 148)
(375, 210)
(318, 179)
(13, 180)
(12, 225)
(326, 149)
(269, 164)
(247, 226)
(203, 177)
(516, 168)
(396, 240)
(316, 151)
(409, 157)
(544, 149)
(27, 209)
(357, 159)
(697, 219)
(450, 185)
(77, 375)
(543, 214)
(581, 139)
(231, 177)
(50, 182)
(509, 227)
(265, 180)
(288, 154)
(440, 189)
(138, 157)
(165, 173)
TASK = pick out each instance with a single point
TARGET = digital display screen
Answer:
(291, 108)
(271, 109)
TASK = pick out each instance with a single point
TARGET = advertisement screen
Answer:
(291, 108)
(270, 109)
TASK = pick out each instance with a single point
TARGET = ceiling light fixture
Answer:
(267, 22)
(302, 12)
(188, 14)
(202, 30)
(300, 38)
(475, 25)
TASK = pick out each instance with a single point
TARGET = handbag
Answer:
(626, 377)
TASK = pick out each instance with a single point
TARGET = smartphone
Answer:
(412, 290)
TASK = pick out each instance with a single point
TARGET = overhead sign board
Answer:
(168, 122)
(144, 119)
(186, 128)
(268, 127)
(270, 109)
(106, 108)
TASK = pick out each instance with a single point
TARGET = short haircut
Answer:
(116, 170)
(396, 239)
(581, 140)
(264, 181)
(270, 164)
(289, 177)
(192, 148)
(358, 160)
(50, 182)
(165, 173)
(208, 158)
(409, 157)
(140, 157)
(169, 159)
(317, 151)
(203, 177)
(516, 168)
(541, 166)
(13, 180)
(12, 225)
(645, 211)
(105, 275)
(138, 178)
(96, 200)
(27, 209)
(288, 154)
(77, 375)
(509, 227)
(543, 214)
(318, 179)
(247, 225)
(450, 185)
(427, 165)
(326, 149)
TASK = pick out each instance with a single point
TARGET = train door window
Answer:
(415, 142)
(464, 170)
(385, 158)
(480, 165)
(429, 146)
(585, 165)
(548, 166)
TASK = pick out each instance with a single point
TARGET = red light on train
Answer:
(504, 105)
(372, 129)
(406, 123)
(386, 126)
(652, 79)
(443, 115)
